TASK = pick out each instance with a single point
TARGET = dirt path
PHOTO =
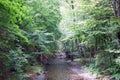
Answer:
(77, 73)
(81, 75)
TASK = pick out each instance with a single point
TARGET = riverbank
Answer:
(33, 71)
(89, 69)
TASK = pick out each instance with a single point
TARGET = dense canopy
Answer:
(33, 30)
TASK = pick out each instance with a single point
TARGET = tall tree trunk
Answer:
(90, 54)
(41, 58)
(116, 7)
(118, 4)
(78, 47)
(96, 44)
(72, 4)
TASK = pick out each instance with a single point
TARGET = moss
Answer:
(37, 69)
(32, 71)
(82, 59)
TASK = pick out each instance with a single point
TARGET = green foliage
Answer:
(11, 17)
(17, 59)
(92, 68)
(118, 60)
(116, 76)
(114, 69)
(103, 60)
(27, 27)
(46, 17)
(92, 23)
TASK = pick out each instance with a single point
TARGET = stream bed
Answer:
(61, 69)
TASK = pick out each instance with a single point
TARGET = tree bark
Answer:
(116, 8)
(118, 3)
(90, 54)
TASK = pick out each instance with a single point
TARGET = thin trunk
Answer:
(118, 9)
(41, 58)
(96, 44)
(90, 56)
(72, 6)
(72, 46)
(114, 7)
(78, 47)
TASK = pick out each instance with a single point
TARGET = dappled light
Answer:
(59, 39)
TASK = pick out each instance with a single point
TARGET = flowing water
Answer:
(61, 69)
(58, 70)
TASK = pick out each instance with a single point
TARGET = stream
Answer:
(61, 69)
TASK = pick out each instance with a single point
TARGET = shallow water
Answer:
(61, 69)
(58, 70)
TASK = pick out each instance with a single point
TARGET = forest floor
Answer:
(33, 71)
(79, 73)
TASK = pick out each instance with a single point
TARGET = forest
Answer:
(33, 33)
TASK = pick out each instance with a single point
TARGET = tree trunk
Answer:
(78, 47)
(118, 4)
(90, 56)
(116, 7)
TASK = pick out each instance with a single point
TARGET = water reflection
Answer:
(58, 70)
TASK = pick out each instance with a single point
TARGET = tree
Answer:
(96, 25)
(27, 27)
